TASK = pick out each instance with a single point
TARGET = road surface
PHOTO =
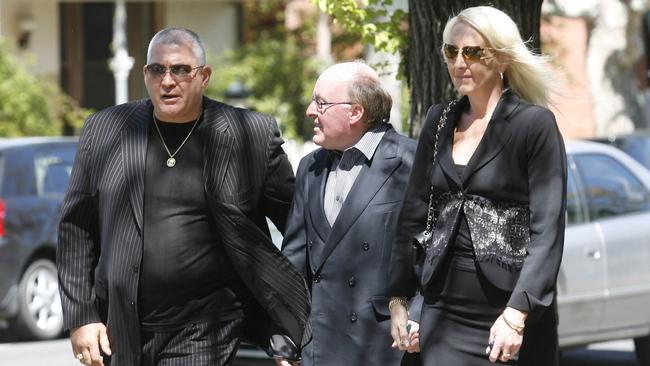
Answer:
(58, 353)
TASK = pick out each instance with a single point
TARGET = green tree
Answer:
(278, 77)
(424, 70)
(376, 23)
(30, 106)
(276, 66)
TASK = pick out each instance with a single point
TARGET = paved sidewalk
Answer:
(58, 353)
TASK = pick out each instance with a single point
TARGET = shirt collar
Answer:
(368, 143)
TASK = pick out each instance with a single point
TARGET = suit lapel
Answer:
(370, 180)
(217, 143)
(495, 138)
(316, 184)
(134, 150)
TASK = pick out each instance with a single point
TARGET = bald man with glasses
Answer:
(343, 219)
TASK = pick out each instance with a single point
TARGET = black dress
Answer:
(459, 308)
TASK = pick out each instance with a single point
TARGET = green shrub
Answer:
(31, 106)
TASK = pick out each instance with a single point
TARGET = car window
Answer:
(18, 173)
(639, 149)
(52, 171)
(574, 200)
(612, 189)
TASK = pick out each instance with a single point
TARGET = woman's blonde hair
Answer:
(526, 74)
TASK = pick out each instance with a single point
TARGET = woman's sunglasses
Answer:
(469, 53)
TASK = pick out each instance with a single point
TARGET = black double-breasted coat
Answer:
(346, 264)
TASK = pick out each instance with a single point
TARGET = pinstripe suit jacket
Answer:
(246, 177)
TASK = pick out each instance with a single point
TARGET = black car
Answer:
(34, 174)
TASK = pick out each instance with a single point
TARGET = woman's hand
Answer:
(414, 336)
(398, 321)
(506, 335)
(283, 362)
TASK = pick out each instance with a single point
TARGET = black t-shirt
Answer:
(463, 247)
(185, 272)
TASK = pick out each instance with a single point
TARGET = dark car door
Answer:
(52, 167)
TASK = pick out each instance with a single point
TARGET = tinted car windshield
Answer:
(639, 148)
(610, 188)
(636, 145)
(36, 170)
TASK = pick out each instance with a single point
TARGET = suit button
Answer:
(352, 281)
(365, 246)
(353, 317)
(136, 268)
(311, 243)
(317, 278)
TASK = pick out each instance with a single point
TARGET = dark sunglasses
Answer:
(474, 53)
(177, 71)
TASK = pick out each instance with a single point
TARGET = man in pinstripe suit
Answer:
(343, 219)
(164, 252)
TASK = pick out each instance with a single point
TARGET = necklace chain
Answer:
(171, 162)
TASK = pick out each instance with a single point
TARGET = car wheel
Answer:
(642, 349)
(39, 304)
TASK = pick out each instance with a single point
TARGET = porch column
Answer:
(324, 38)
(121, 63)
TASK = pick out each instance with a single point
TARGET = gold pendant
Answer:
(171, 162)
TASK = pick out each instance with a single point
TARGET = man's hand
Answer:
(398, 321)
(86, 341)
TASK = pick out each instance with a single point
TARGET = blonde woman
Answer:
(490, 169)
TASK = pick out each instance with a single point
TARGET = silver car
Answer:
(604, 281)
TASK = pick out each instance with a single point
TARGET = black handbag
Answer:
(422, 241)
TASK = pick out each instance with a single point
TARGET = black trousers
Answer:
(199, 344)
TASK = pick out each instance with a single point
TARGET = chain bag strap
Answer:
(424, 237)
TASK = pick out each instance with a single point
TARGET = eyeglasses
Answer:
(178, 72)
(469, 53)
(321, 106)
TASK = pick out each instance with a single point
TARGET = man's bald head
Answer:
(364, 88)
(348, 70)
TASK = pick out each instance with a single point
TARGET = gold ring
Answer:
(506, 355)
(79, 356)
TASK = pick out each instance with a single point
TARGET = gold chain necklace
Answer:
(171, 162)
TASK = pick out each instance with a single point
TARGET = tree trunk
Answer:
(426, 71)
